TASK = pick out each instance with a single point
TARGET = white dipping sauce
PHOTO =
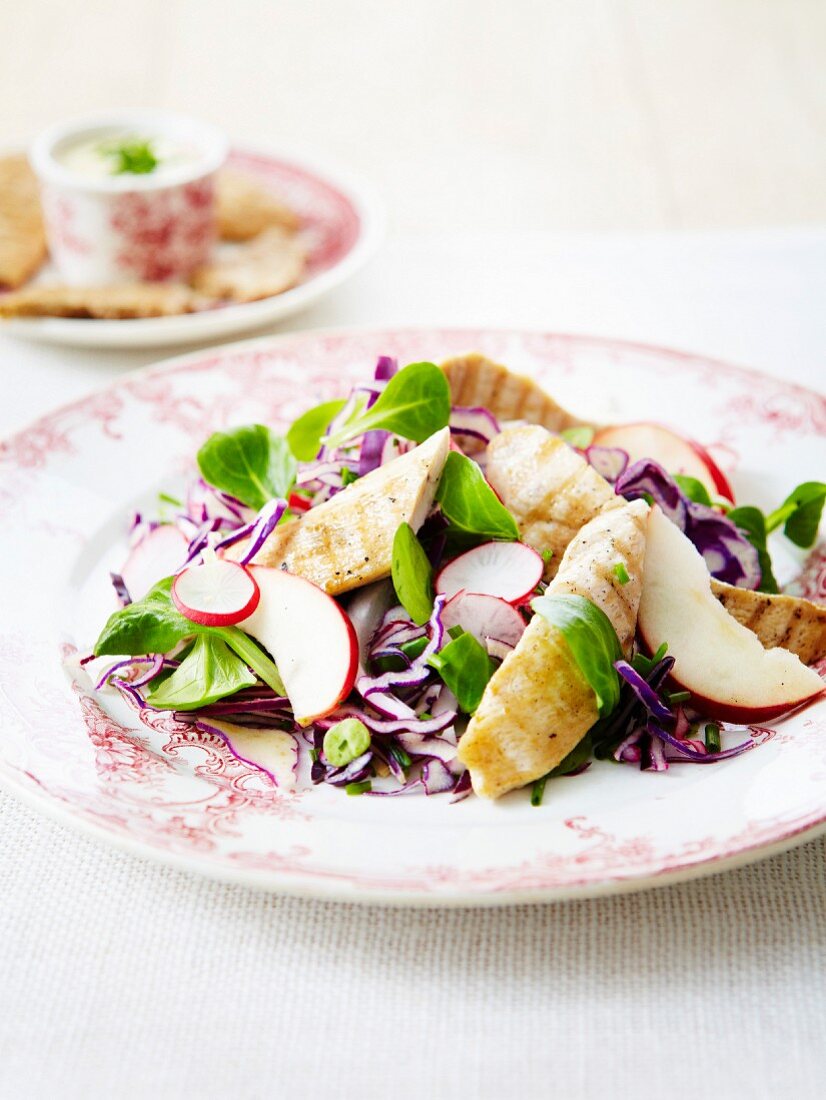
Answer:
(96, 156)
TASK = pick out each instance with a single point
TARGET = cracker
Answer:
(244, 208)
(268, 265)
(22, 236)
(120, 302)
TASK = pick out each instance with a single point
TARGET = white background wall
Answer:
(470, 114)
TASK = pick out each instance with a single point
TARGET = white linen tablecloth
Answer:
(122, 978)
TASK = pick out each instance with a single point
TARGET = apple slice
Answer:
(723, 665)
(484, 617)
(309, 637)
(507, 570)
(158, 554)
(217, 593)
(674, 453)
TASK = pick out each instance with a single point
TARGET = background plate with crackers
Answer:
(340, 226)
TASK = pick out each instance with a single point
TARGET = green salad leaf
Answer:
(414, 404)
(693, 488)
(800, 513)
(250, 463)
(465, 667)
(469, 504)
(154, 625)
(304, 436)
(591, 639)
(210, 672)
(151, 625)
(752, 523)
(412, 575)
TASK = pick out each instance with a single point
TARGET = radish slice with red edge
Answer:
(484, 617)
(508, 570)
(158, 554)
(217, 593)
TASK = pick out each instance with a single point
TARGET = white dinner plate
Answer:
(342, 223)
(68, 485)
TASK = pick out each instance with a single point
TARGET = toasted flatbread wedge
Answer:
(549, 488)
(538, 706)
(22, 237)
(348, 541)
(786, 621)
(267, 265)
(475, 380)
(105, 302)
(244, 208)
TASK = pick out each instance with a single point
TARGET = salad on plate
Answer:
(445, 583)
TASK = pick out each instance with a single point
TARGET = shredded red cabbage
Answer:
(610, 462)
(728, 553)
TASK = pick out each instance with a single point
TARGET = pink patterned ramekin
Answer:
(129, 227)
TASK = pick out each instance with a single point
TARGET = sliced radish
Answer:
(309, 637)
(497, 648)
(484, 617)
(508, 570)
(674, 453)
(217, 593)
(158, 554)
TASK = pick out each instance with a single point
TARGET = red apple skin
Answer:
(352, 670)
(733, 712)
(739, 715)
(721, 482)
(716, 476)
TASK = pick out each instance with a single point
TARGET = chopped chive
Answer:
(348, 476)
(642, 664)
(538, 791)
(713, 743)
(621, 573)
(400, 756)
(678, 696)
(359, 788)
(547, 555)
(414, 648)
(455, 631)
(167, 499)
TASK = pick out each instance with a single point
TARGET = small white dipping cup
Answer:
(130, 228)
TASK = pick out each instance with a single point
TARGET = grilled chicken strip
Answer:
(786, 621)
(348, 540)
(550, 490)
(538, 705)
(475, 380)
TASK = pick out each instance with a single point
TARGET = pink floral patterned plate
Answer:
(342, 222)
(68, 484)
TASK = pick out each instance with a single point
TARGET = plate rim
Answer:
(313, 886)
(160, 332)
